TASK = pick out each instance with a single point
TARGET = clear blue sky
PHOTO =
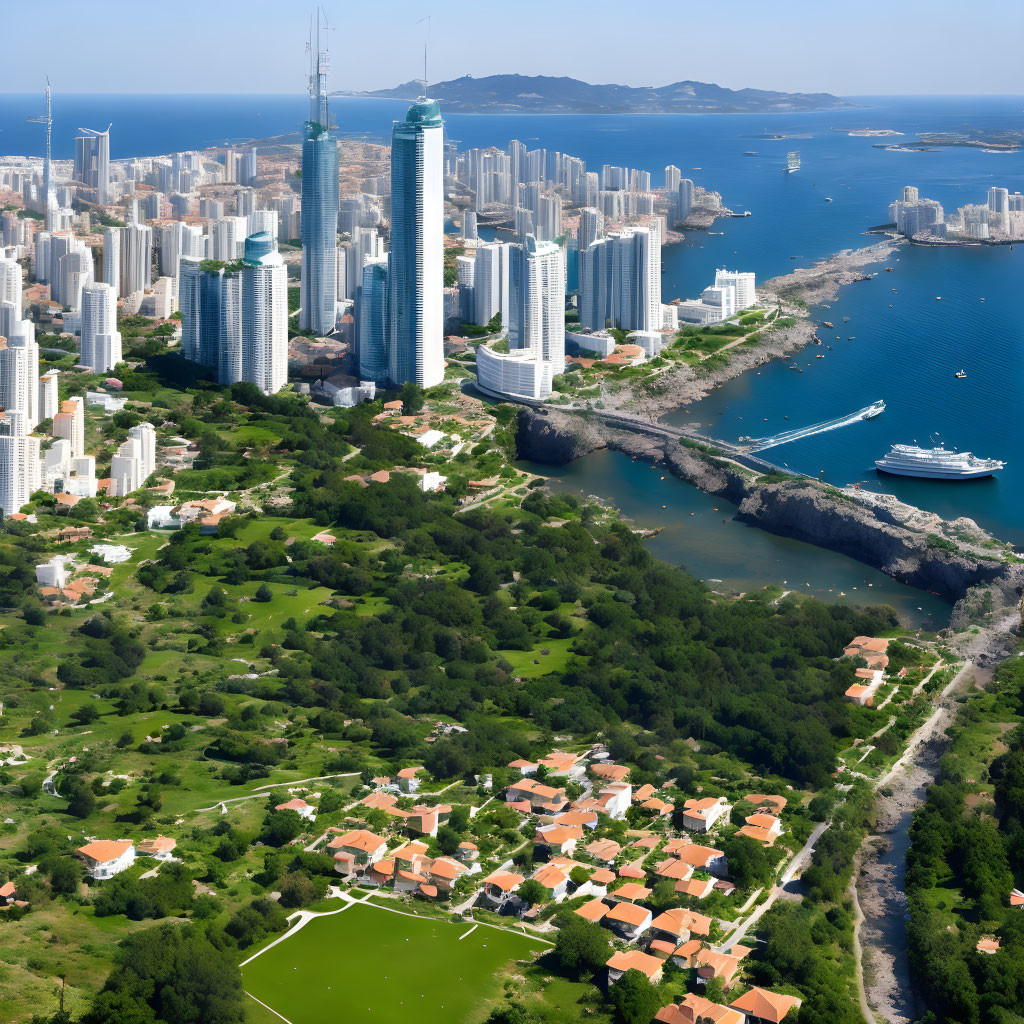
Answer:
(863, 47)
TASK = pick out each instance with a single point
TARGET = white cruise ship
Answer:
(936, 463)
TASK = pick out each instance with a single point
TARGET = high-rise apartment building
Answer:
(416, 267)
(112, 258)
(101, 340)
(264, 315)
(490, 282)
(372, 316)
(92, 162)
(620, 281)
(536, 328)
(134, 462)
(136, 258)
(319, 224)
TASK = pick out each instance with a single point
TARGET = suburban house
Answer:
(356, 850)
(631, 892)
(594, 911)
(610, 772)
(871, 649)
(300, 807)
(558, 762)
(605, 850)
(407, 781)
(677, 924)
(704, 858)
(160, 848)
(600, 880)
(693, 1008)
(683, 955)
(105, 858)
(628, 919)
(634, 960)
(695, 888)
(764, 828)
(988, 944)
(467, 851)
(501, 886)
(674, 869)
(1016, 898)
(659, 808)
(538, 796)
(554, 879)
(615, 799)
(863, 691)
(583, 818)
(558, 840)
(524, 767)
(776, 804)
(764, 1007)
(8, 892)
(645, 792)
(716, 965)
(700, 815)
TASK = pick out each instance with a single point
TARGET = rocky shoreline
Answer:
(680, 385)
(951, 560)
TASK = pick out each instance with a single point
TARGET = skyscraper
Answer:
(136, 258)
(92, 162)
(416, 269)
(19, 462)
(101, 340)
(491, 282)
(620, 281)
(536, 328)
(235, 319)
(319, 225)
(373, 321)
(112, 258)
(264, 315)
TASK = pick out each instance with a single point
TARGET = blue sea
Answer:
(906, 344)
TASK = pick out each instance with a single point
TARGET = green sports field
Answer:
(369, 964)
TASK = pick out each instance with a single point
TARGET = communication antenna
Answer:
(47, 121)
(426, 43)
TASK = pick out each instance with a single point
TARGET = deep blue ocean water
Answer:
(906, 354)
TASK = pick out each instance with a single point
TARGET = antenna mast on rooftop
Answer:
(47, 121)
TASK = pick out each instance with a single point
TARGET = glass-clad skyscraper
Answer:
(416, 271)
(319, 282)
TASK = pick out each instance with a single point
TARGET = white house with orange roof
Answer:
(593, 911)
(467, 851)
(407, 779)
(299, 806)
(645, 792)
(1016, 898)
(560, 840)
(554, 879)
(604, 850)
(674, 869)
(610, 772)
(633, 960)
(701, 814)
(561, 763)
(104, 858)
(695, 888)
(693, 1008)
(615, 799)
(541, 798)
(159, 848)
(762, 1006)
(704, 858)
(355, 851)
(630, 920)
(524, 767)
(762, 828)
(500, 886)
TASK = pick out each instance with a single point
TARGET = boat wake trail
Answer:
(868, 412)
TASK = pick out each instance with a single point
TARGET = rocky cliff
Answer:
(909, 545)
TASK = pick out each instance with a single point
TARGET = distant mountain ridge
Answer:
(509, 94)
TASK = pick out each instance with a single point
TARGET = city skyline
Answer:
(758, 36)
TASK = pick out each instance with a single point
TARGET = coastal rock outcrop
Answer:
(907, 544)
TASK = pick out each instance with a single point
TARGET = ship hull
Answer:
(931, 474)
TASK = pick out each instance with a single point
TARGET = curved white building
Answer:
(519, 374)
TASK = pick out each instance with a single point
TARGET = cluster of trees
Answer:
(961, 867)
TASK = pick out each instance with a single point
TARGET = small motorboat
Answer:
(960, 375)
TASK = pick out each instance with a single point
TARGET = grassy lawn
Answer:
(523, 661)
(368, 964)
